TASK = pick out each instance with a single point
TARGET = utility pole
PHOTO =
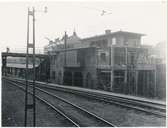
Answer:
(30, 46)
(111, 66)
(4, 70)
(65, 47)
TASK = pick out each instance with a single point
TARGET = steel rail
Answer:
(78, 107)
(124, 99)
(49, 104)
(110, 100)
(135, 101)
(104, 99)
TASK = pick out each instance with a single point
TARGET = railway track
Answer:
(88, 118)
(73, 123)
(147, 107)
(144, 106)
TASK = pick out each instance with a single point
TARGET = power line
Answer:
(102, 11)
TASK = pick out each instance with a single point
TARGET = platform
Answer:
(108, 93)
(103, 92)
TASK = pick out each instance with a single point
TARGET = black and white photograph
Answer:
(95, 63)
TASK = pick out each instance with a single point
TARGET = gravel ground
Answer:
(117, 115)
(80, 117)
(13, 110)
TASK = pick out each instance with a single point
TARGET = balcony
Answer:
(145, 66)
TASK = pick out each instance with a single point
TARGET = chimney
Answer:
(108, 31)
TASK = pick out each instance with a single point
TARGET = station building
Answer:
(114, 61)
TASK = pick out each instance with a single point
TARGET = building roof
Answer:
(12, 54)
(23, 66)
(114, 33)
(72, 49)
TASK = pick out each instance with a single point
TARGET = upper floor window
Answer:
(131, 58)
(103, 56)
(99, 43)
(119, 56)
(136, 43)
(114, 41)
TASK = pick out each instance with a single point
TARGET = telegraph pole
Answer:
(34, 103)
(31, 46)
(65, 47)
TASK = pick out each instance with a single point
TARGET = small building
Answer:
(14, 64)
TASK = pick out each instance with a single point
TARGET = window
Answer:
(131, 58)
(136, 43)
(103, 56)
(53, 74)
(114, 41)
(99, 43)
(119, 56)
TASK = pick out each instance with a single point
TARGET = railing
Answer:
(38, 50)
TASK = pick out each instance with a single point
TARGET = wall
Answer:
(161, 81)
(90, 57)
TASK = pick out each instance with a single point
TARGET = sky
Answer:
(85, 18)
